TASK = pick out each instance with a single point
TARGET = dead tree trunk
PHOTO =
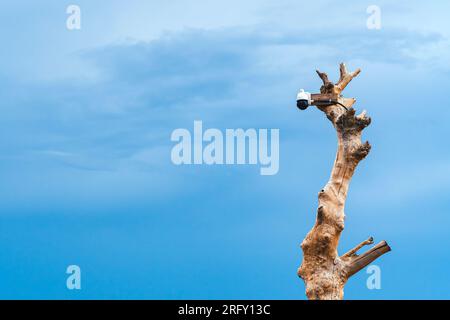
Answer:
(323, 270)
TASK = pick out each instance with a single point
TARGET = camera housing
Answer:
(303, 99)
(306, 99)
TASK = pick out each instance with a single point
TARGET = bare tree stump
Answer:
(323, 270)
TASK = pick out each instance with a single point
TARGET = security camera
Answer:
(306, 99)
(303, 99)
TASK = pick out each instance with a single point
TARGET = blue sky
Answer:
(86, 118)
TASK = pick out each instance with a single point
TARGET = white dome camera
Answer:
(303, 99)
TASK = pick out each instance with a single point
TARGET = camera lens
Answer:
(302, 104)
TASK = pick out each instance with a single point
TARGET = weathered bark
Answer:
(323, 270)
